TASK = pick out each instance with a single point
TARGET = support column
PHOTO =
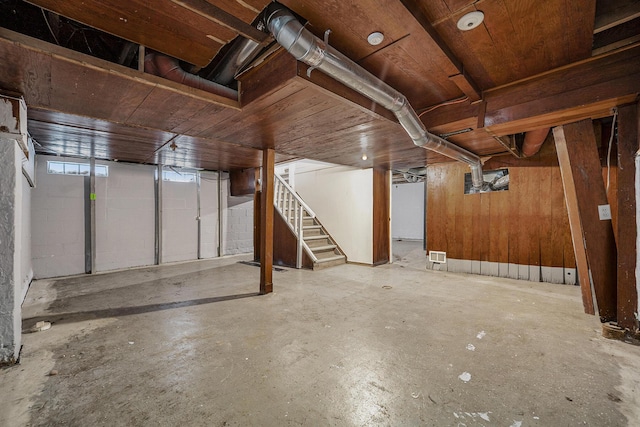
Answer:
(90, 219)
(159, 215)
(266, 221)
(381, 216)
(593, 241)
(628, 145)
(12, 124)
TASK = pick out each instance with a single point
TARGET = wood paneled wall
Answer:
(525, 225)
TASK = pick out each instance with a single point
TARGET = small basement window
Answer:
(72, 168)
(174, 176)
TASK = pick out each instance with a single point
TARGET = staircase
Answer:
(311, 237)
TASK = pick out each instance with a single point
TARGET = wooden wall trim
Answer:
(584, 192)
(628, 145)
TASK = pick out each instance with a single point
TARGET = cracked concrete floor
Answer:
(192, 344)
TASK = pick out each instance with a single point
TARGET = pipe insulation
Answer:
(306, 47)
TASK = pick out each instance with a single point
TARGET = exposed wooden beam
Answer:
(611, 13)
(464, 82)
(219, 16)
(628, 145)
(593, 240)
(266, 221)
(585, 89)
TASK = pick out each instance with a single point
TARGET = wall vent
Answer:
(438, 257)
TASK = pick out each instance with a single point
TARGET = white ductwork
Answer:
(306, 47)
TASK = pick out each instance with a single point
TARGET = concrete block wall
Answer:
(238, 238)
(125, 216)
(534, 273)
(57, 213)
(179, 221)
(209, 215)
(14, 269)
(125, 219)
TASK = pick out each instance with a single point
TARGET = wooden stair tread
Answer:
(322, 248)
(318, 237)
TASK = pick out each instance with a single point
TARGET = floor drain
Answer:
(386, 287)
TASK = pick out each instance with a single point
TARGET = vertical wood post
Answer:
(628, 145)
(381, 216)
(593, 239)
(266, 221)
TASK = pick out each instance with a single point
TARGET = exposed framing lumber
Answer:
(219, 16)
(618, 12)
(593, 239)
(266, 221)
(585, 89)
(628, 145)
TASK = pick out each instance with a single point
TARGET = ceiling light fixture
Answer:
(470, 21)
(364, 157)
(375, 39)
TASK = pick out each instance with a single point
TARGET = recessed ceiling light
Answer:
(470, 21)
(364, 157)
(375, 39)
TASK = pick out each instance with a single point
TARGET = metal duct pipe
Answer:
(306, 47)
(241, 53)
(533, 141)
(169, 68)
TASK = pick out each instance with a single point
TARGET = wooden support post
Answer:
(381, 216)
(628, 144)
(593, 240)
(266, 221)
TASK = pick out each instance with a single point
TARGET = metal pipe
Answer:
(533, 141)
(169, 68)
(306, 47)
(242, 52)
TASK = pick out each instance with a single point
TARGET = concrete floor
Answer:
(193, 345)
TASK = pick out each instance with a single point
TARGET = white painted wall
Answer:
(407, 211)
(12, 282)
(208, 215)
(57, 215)
(125, 219)
(342, 198)
(26, 264)
(237, 222)
(125, 216)
(179, 224)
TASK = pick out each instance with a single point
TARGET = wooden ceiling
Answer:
(85, 106)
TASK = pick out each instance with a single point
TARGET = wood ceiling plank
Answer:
(105, 95)
(423, 82)
(161, 27)
(229, 19)
(351, 23)
(163, 109)
(520, 39)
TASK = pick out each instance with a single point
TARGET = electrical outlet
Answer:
(604, 211)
